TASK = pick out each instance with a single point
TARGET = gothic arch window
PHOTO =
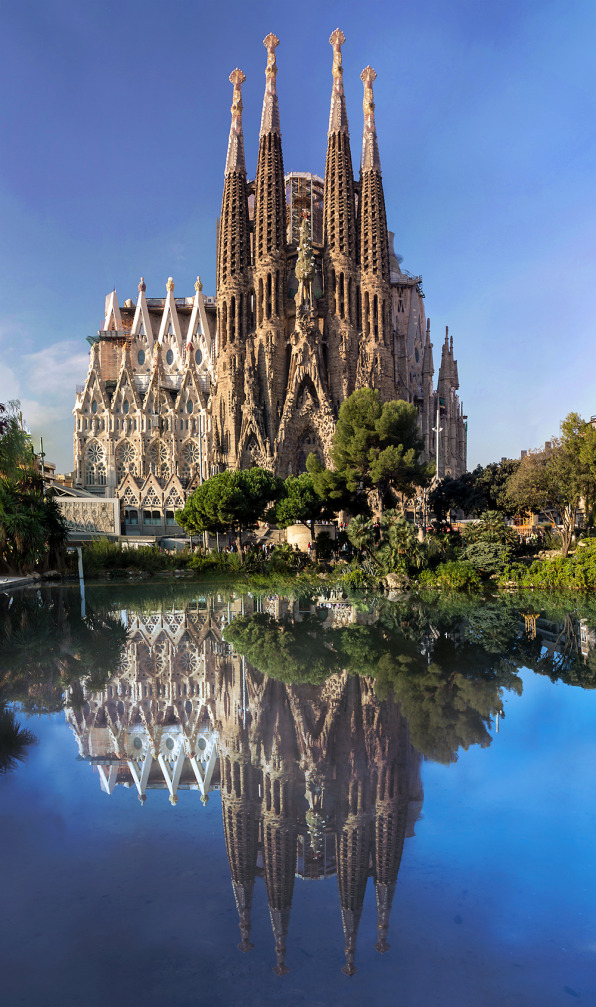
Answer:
(158, 456)
(126, 458)
(224, 325)
(260, 301)
(191, 457)
(268, 307)
(95, 465)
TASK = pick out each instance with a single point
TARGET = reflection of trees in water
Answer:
(14, 740)
(46, 646)
(319, 729)
(448, 673)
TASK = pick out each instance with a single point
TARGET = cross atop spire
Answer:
(235, 160)
(270, 114)
(338, 118)
(370, 160)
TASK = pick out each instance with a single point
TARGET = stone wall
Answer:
(87, 518)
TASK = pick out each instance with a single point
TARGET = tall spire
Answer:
(270, 113)
(340, 237)
(370, 160)
(339, 205)
(374, 241)
(270, 202)
(338, 117)
(235, 160)
(269, 251)
(233, 286)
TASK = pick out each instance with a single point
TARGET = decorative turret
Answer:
(341, 240)
(270, 205)
(270, 250)
(233, 289)
(374, 250)
(233, 254)
(427, 359)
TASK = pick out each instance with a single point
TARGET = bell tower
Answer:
(233, 287)
(270, 253)
(341, 241)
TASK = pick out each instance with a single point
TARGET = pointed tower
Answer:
(341, 242)
(377, 328)
(270, 253)
(428, 408)
(240, 810)
(233, 286)
(279, 828)
(353, 822)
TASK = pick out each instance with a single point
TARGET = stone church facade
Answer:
(311, 304)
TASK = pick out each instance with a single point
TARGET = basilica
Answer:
(311, 304)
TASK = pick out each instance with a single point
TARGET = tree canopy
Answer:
(376, 447)
(474, 492)
(301, 503)
(32, 530)
(555, 479)
(232, 501)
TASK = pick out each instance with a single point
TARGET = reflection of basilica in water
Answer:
(314, 780)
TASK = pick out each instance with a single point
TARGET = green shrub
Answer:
(456, 574)
(358, 580)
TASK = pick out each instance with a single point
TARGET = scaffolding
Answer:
(304, 192)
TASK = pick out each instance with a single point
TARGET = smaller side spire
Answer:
(427, 358)
(370, 160)
(338, 117)
(270, 113)
(235, 162)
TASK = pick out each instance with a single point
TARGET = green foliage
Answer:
(576, 572)
(102, 555)
(358, 580)
(489, 544)
(331, 487)
(14, 740)
(46, 645)
(230, 502)
(448, 702)
(32, 530)
(377, 445)
(458, 575)
(287, 652)
(16, 450)
(300, 502)
(555, 479)
(477, 491)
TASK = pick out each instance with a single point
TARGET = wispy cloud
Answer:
(44, 382)
(56, 369)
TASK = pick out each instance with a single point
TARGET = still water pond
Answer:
(315, 801)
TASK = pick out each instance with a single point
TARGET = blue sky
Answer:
(114, 125)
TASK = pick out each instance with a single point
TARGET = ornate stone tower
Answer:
(270, 255)
(233, 291)
(340, 238)
(376, 364)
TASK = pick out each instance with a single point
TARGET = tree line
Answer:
(375, 463)
(555, 481)
(32, 530)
